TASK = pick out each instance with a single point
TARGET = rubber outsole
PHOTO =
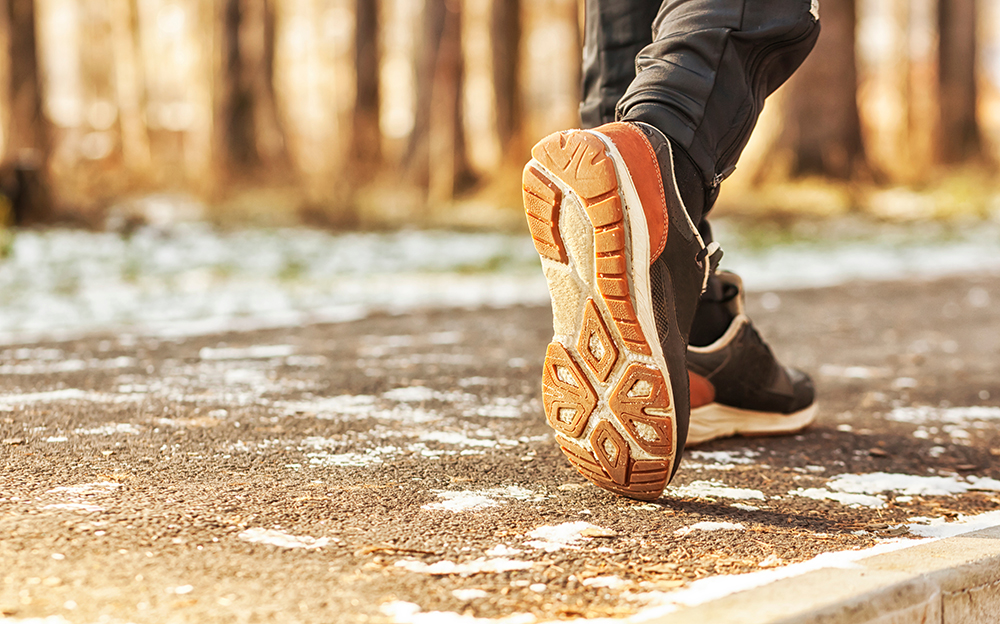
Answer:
(604, 384)
(714, 421)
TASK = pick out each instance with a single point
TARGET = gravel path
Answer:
(385, 468)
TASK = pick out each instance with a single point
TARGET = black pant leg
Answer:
(703, 79)
(614, 34)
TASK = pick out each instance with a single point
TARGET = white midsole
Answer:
(714, 420)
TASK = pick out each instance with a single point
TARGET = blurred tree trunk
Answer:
(249, 138)
(436, 155)
(130, 84)
(505, 33)
(822, 128)
(24, 172)
(960, 138)
(366, 135)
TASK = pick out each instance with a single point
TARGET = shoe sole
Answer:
(605, 383)
(714, 421)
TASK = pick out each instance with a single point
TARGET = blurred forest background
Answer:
(388, 112)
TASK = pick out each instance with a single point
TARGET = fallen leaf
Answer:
(598, 532)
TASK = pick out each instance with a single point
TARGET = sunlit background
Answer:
(177, 166)
(332, 111)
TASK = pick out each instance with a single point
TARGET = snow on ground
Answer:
(709, 526)
(875, 489)
(195, 280)
(712, 489)
(274, 537)
(922, 414)
(472, 500)
(560, 537)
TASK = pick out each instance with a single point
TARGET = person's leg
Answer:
(615, 31)
(704, 78)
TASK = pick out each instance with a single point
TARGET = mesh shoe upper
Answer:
(743, 369)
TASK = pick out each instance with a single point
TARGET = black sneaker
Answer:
(625, 267)
(737, 385)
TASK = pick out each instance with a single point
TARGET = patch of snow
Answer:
(354, 406)
(474, 381)
(66, 366)
(86, 489)
(69, 394)
(502, 550)
(609, 582)
(709, 526)
(414, 394)
(851, 500)
(471, 500)
(713, 489)
(462, 501)
(911, 485)
(983, 484)
(371, 457)
(281, 539)
(867, 490)
(852, 372)
(255, 352)
(456, 438)
(421, 394)
(468, 594)
(955, 415)
(110, 429)
(84, 507)
(552, 538)
(502, 407)
(180, 590)
(725, 457)
(940, 528)
(481, 565)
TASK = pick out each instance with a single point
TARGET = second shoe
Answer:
(739, 387)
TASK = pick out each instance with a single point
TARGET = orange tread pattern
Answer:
(579, 159)
(641, 388)
(645, 479)
(542, 200)
(568, 404)
(594, 330)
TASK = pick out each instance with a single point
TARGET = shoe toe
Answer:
(804, 392)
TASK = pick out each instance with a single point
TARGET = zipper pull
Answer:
(722, 175)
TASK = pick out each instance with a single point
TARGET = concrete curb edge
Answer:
(955, 580)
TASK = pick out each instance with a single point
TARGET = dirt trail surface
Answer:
(386, 468)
